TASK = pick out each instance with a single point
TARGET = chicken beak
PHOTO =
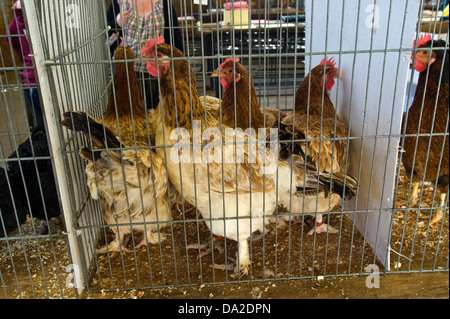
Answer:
(338, 75)
(215, 73)
(411, 65)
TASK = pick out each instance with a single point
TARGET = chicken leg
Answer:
(241, 269)
(414, 197)
(321, 227)
(114, 246)
(208, 247)
(440, 212)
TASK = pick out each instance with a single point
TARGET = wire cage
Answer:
(377, 228)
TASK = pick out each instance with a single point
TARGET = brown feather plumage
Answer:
(311, 98)
(247, 107)
(310, 93)
(419, 163)
(315, 122)
(125, 114)
(430, 89)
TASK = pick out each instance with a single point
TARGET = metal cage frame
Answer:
(75, 71)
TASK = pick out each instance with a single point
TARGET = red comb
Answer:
(151, 44)
(424, 38)
(121, 41)
(228, 61)
(330, 61)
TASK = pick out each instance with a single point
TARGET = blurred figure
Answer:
(115, 32)
(141, 20)
(19, 42)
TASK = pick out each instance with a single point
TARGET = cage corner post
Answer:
(78, 278)
(371, 56)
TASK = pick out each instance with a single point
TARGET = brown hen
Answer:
(315, 122)
(427, 115)
(238, 84)
(315, 119)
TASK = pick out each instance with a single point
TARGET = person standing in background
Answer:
(141, 20)
(19, 43)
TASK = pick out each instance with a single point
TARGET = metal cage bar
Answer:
(279, 46)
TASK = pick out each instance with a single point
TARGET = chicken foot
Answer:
(321, 227)
(178, 207)
(255, 236)
(318, 227)
(114, 246)
(243, 252)
(242, 268)
(152, 237)
(216, 245)
(208, 247)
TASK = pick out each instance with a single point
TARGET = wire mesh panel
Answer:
(203, 144)
(375, 106)
(70, 42)
(33, 244)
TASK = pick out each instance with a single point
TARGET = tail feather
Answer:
(100, 135)
(344, 185)
(285, 134)
(288, 149)
(338, 183)
(89, 154)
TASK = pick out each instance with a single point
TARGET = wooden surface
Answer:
(392, 286)
(269, 25)
(441, 27)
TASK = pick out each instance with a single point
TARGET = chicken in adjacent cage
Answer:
(425, 157)
(33, 186)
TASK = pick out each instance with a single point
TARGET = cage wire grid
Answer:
(34, 248)
(75, 72)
